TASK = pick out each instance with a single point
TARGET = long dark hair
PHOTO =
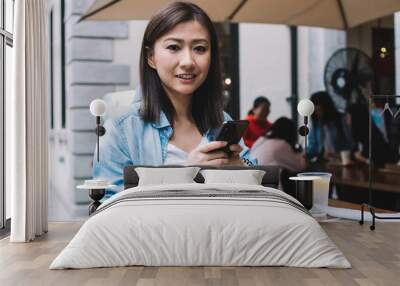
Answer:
(359, 122)
(207, 100)
(330, 113)
(284, 128)
(257, 102)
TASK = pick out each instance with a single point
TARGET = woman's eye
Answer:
(200, 49)
(173, 48)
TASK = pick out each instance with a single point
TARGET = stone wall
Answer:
(90, 73)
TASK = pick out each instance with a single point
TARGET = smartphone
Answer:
(232, 132)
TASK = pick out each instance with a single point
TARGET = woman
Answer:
(278, 147)
(329, 133)
(258, 123)
(178, 107)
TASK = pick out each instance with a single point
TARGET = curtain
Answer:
(27, 139)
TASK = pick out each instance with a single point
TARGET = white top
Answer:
(176, 156)
(277, 152)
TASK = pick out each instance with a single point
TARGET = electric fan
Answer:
(347, 72)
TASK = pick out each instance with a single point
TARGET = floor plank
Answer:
(375, 257)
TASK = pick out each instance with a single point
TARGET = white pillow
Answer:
(249, 177)
(163, 176)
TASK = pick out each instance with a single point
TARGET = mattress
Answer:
(201, 225)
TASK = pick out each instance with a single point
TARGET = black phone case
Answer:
(231, 132)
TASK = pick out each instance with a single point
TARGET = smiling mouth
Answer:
(186, 76)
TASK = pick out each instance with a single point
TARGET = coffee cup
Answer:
(345, 157)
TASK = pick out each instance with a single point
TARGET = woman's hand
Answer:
(210, 155)
(360, 158)
(328, 155)
(234, 159)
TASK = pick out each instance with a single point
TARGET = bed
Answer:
(201, 224)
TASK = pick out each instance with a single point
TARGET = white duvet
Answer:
(183, 231)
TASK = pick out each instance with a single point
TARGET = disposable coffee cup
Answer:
(345, 157)
(321, 183)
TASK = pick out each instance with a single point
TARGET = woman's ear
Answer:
(150, 58)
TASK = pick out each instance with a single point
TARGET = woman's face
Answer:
(182, 58)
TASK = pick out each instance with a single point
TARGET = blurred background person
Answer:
(258, 123)
(277, 147)
(329, 132)
(358, 119)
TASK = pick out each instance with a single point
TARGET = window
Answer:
(51, 68)
(63, 102)
(6, 44)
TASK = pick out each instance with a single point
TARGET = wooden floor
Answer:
(374, 255)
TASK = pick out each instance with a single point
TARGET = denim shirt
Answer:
(131, 141)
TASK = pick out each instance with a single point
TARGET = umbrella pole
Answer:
(343, 14)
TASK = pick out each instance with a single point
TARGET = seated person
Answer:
(358, 118)
(258, 123)
(277, 147)
(179, 106)
(329, 132)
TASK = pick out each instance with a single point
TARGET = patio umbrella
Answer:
(218, 10)
(337, 14)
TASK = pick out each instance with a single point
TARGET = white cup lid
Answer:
(97, 182)
(304, 178)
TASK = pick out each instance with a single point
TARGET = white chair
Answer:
(118, 102)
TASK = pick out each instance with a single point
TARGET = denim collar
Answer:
(163, 122)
